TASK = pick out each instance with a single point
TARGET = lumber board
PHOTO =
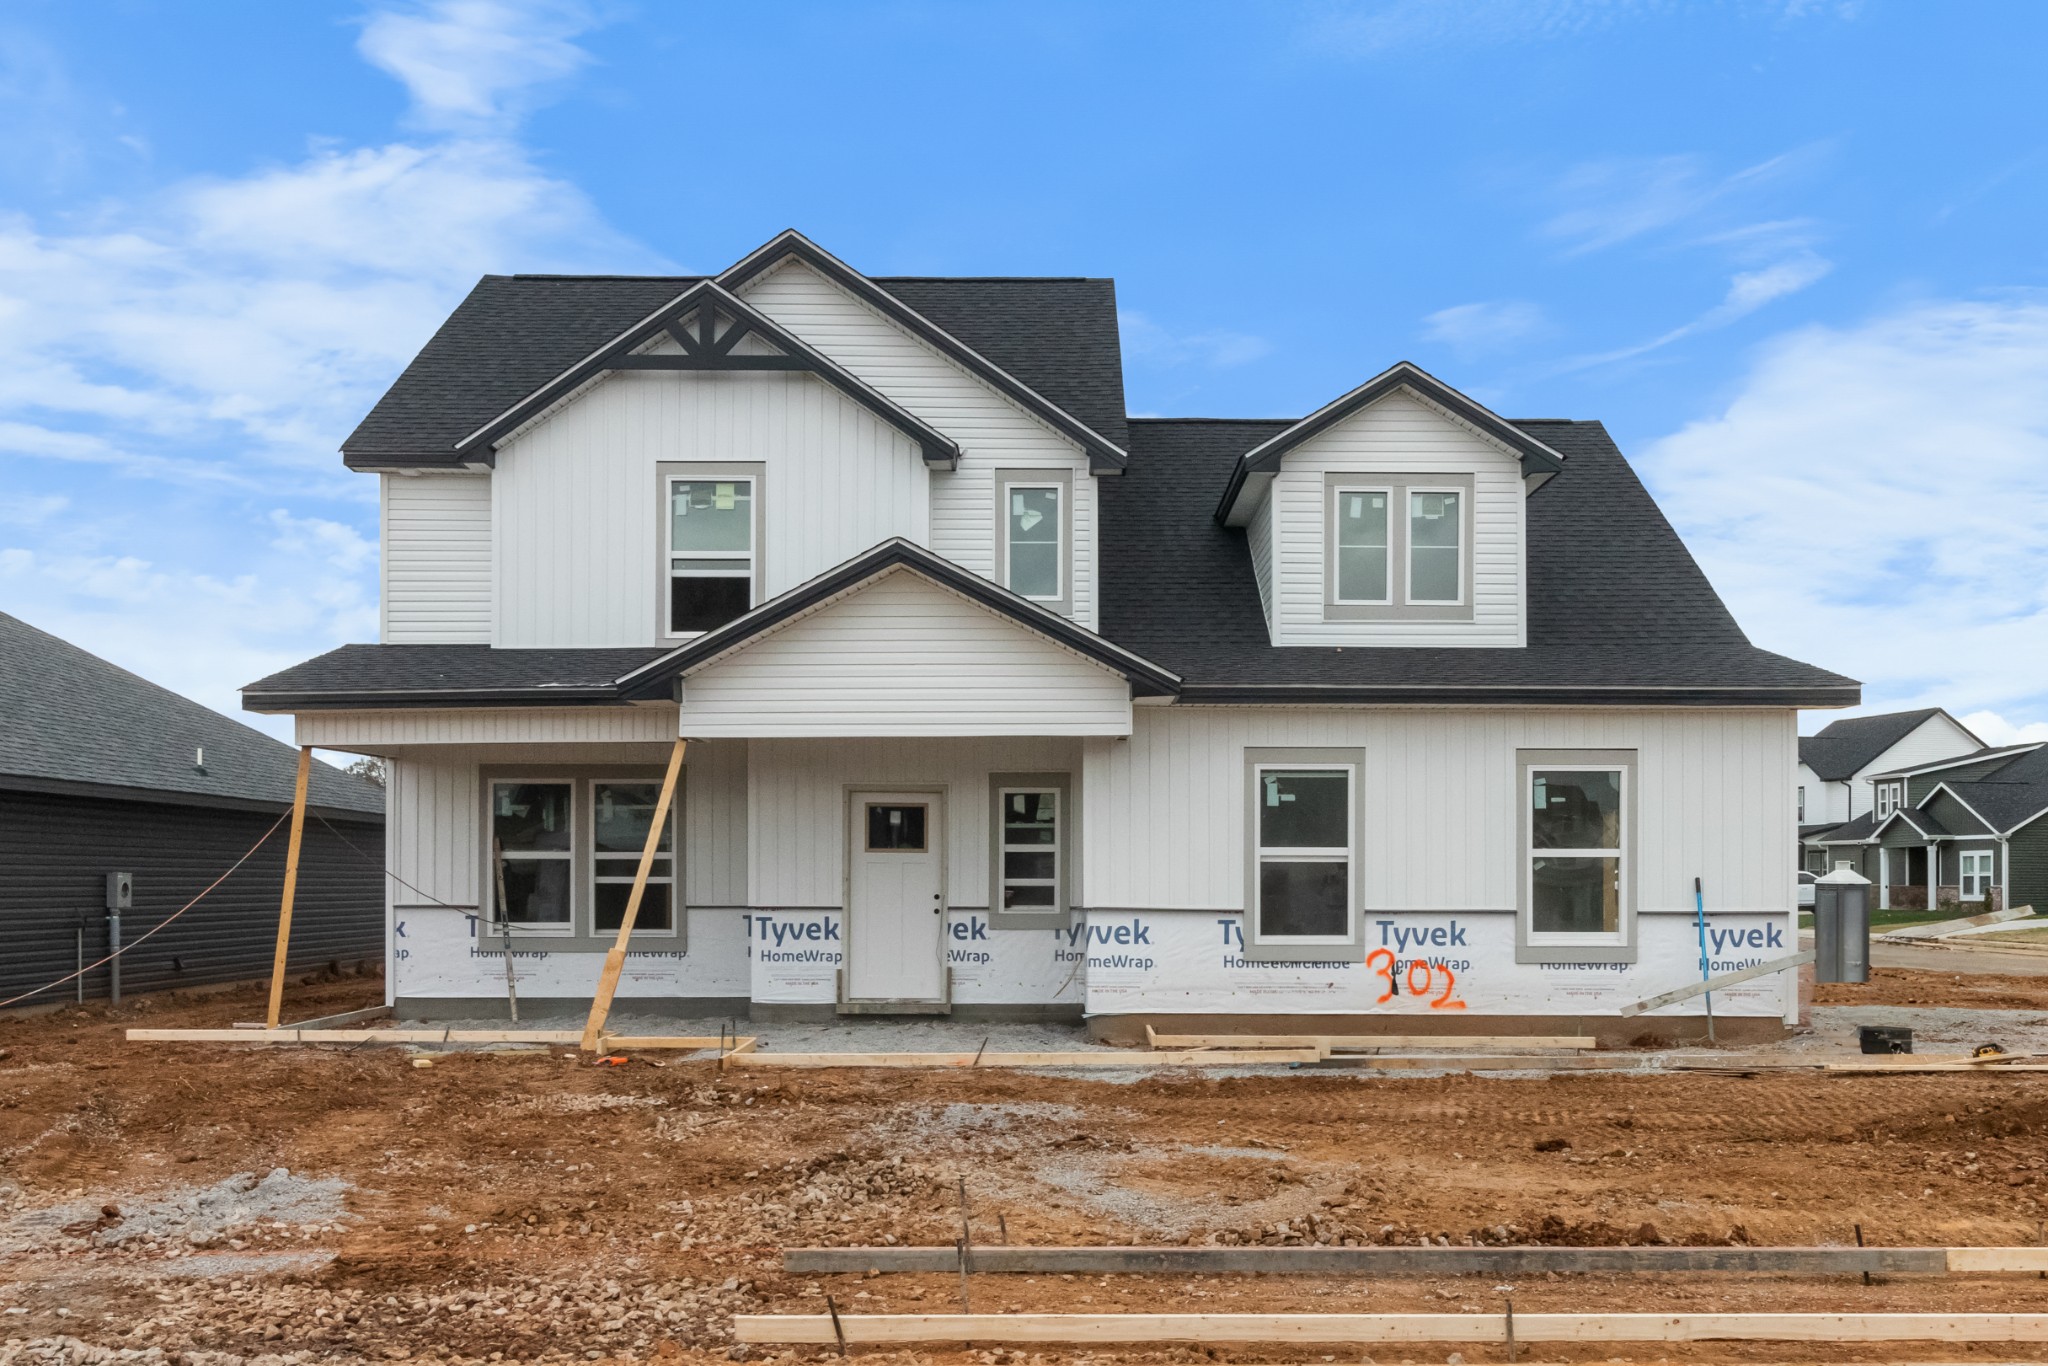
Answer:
(1211, 1328)
(343, 1019)
(274, 1015)
(693, 1042)
(1348, 1043)
(1394, 1261)
(1726, 979)
(533, 1036)
(1071, 1058)
(1904, 1065)
(615, 957)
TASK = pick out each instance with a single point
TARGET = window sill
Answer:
(1291, 951)
(1580, 952)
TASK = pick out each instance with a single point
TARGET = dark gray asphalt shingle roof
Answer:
(1845, 747)
(514, 333)
(1615, 599)
(2003, 804)
(71, 717)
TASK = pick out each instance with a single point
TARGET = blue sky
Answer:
(1791, 253)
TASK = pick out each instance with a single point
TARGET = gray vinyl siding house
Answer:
(992, 700)
(102, 771)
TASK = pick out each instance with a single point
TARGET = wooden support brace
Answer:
(1729, 979)
(615, 959)
(291, 888)
(1349, 1328)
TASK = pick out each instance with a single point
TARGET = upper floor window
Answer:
(1397, 547)
(1890, 797)
(1802, 804)
(1436, 549)
(1363, 546)
(1034, 569)
(711, 549)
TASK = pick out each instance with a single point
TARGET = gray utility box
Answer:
(1841, 926)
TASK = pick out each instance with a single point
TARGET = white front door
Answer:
(895, 914)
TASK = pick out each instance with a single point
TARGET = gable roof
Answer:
(1980, 756)
(71, 721)
(514, 333)
(1846, 747)
(1539, 461)
(1618, 610)
(380, 676)
(1104, 455)
(1922, 822)
(691, 321)
(2004, 806)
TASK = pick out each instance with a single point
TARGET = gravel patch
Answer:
(190, 1216)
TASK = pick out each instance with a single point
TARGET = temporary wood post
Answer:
(615, 960)
(291, 888)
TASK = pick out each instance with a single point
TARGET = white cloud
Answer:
(1747, 292)
(472, 64)
(1874, 499)
(1994, 730)
(1214, 347)
(1605, 203)
(183, 366)
(1484, 326)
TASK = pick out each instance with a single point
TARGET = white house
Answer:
(998, 702)
(1836, 765)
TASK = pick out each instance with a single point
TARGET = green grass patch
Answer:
(1894, 919)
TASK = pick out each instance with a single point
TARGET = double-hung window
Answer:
(533, 844)
(710, 551)
(1436, 546)
(1030, 855)
(1034, 541)
(1890, 797)
(1364, 573)
(1304, 854)
(1976, 874)
(620, 813)
(1574, 873)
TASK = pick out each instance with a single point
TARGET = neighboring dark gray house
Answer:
(1966, 830)
(102, 771)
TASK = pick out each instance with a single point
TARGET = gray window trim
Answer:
(1063, 479)
(580, 937)
(1061, 916)
(666, 470)
(1283, 951)
(1626, 949)
(1397, 487)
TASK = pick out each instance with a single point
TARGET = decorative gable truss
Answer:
(705, 328)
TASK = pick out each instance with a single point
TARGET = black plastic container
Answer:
(1885, 1039)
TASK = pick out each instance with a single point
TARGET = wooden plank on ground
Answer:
(1976, 1259)
(1347, 1043)
(416, 1036)
(1347, 1328)
(343, 1019)
(1726, 979)
(1389, 1261)
(694, 1042)
(1072, 1058)
(1906, 1064)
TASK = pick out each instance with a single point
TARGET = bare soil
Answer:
(1917, 987)
(532, 1207)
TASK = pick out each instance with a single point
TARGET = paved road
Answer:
(1976, 958)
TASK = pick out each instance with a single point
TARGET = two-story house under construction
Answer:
(997, 701)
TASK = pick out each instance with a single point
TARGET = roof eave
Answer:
(1517, 694)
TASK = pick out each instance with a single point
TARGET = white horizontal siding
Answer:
(1930, 742)
(992, 431)
(1259, 536)
(1441, 803)
(577, 504)
(1399, 435)
(371, 731)
(905, 657)
(436, 559)
(797, 806)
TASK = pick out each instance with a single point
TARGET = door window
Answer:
(895, 829)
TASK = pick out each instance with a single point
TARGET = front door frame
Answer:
(938, 832)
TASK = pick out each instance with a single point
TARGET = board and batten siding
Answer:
(797, 809)
(436, 570)
(992, 431)
(1441, 803)
(577, 508)
(1399, 434)
(436, 812)
(903, 656)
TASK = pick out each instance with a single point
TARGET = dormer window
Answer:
(1397, 547)
(711, 550)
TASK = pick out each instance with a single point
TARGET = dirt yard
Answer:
(207, 1205)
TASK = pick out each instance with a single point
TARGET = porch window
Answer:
(1303, 848)
(1030, 849)
(710, 552)
(532, 840)
(620, 814)
(1034, 541)
(1976, 874)
(1436, 551)
(1573, 854)
(1363, 546)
